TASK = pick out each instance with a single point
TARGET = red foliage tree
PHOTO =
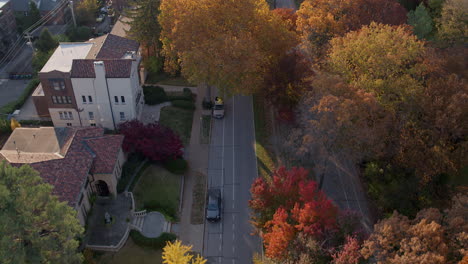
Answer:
(153, 141)
(280, 235)
(282, 190)
(349, 254)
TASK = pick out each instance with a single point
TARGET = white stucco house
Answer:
(94, 83)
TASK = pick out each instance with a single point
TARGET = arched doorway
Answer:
(102, 188)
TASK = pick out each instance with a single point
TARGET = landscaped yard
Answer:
(163, 78)
(158, 190)
(179, 120)
(131, 253)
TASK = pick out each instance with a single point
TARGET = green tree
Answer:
(46, 41)
(40, 58)
(36, 226)
(144, 25)
(86, 11)
(421, 21)
(453, 23)
(24, 22)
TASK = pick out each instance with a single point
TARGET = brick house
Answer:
(93, 83)
(77, 162)
(8, 34)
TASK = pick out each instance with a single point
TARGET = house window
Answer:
(122, 99)
(69, 124)
(91, 116)
(93, 124)
(70, 115)
(59, 99)
(84, 99)
(122, 116)
(69, 101)
(116, 99)
(57, 84)
(61, 115)
(90, 99)
(54, 99)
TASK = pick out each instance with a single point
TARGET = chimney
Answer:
(99, 69)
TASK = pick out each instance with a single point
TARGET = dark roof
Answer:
(115, 47)
(114, 68)
(107, 149)
(20, 5)
(47, 5)
(68, 175)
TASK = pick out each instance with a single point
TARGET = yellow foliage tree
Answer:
(14, 124)
(176, 253)
(225, 43)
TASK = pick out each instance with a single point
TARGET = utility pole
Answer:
(30, 43)
(73, 13)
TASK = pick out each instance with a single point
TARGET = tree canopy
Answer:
(46, 42)
(453, 23)
(144, 25)
(36, 227)
(86, 11)
(421, 21)
(228, 44)
(177, 253)
(382, 59)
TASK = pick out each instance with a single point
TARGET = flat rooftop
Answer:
(28, 145)
(63, 56)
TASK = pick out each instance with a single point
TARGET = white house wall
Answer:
(58, 122)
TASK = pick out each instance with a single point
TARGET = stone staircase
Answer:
(138, 220)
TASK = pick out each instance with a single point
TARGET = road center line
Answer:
(233, 156)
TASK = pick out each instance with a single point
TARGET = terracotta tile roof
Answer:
(107, 149)
(68, 175)
(121, 68)
(115, 47)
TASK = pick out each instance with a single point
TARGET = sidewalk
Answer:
(197, 157)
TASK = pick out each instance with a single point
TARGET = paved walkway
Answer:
(197, 158)
(153, 225)
(151, 113)
(99, 233)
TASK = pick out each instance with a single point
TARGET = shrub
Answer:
(168, 211)
(176, 166)
(189, 105)
(78, 33)
(36, 123)
(155, 243)
(5, 126)
(154, 95)
(185, 95)
(129, 167)
(12, 106)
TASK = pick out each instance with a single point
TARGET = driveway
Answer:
(232, 168)
(285, 4)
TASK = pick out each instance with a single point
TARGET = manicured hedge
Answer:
(176, 166)
(36, 123)
(12, 106)
(155, 243)
(186, 95)
(189, 105)
(166, 210)
(134, 160)
(154, 95)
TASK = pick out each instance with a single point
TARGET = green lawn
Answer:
(179, 120)
(158, 189)
(131, 253)
(163, 78)
(265, 158)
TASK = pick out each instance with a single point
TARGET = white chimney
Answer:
(99, 69)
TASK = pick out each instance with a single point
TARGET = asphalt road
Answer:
(232, 168)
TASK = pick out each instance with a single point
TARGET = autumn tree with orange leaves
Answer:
(321, 20)
(432, 237)
(225, 43)
(292, 213)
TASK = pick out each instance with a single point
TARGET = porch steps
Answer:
(138, 220)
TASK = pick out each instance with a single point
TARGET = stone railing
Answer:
(113, 248)
(139, 214)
